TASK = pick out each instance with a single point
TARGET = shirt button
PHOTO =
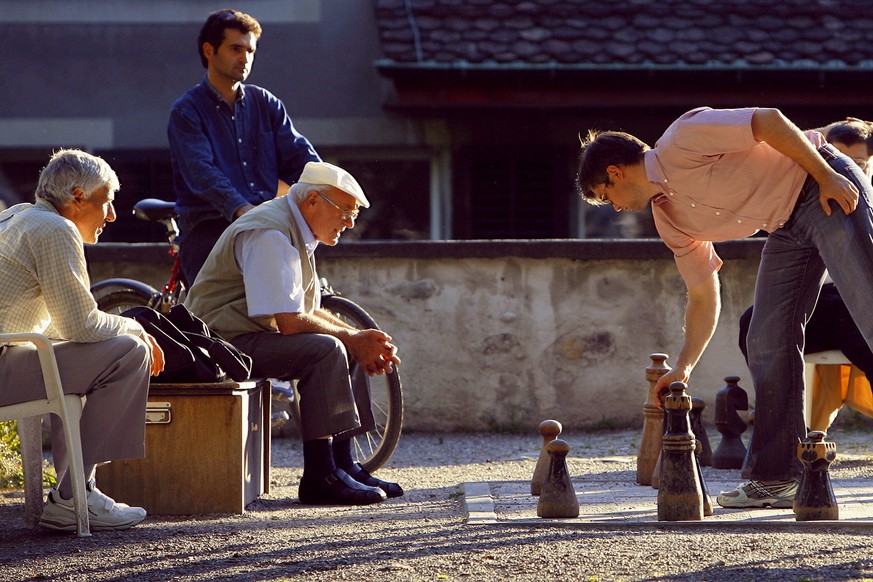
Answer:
(718, 213)
(765, 224)
(739, 222)
(251, 184)
(245, 163)
(233, 117)
(239, 140)
(693, 205)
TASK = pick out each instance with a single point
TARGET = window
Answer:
(513, 194)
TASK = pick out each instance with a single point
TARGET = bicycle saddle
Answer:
(154, 210)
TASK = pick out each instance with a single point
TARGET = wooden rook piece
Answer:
(815, 498)
(549, 429)
(558, 498)
(680, 494)
(705, 454)
(653, 423)
(731, 451)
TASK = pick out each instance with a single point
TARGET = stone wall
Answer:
(501, 335)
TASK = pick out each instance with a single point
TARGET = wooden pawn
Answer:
(549, 429)
(558, 498)
(653, 422)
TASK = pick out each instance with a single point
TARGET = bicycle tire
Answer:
(121, 300)
(373, 449)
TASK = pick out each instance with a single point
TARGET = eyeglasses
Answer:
(346, 216)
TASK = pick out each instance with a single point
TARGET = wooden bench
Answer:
(207, 450)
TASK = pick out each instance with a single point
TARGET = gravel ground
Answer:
(423, 535)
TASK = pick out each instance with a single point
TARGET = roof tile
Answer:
(790, 33)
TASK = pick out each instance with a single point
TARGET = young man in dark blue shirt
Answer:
(233, 146)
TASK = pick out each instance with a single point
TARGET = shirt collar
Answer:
(241, 92)
(655, 173)
(308, 238)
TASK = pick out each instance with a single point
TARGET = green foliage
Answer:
(11, 475)
(11, 471)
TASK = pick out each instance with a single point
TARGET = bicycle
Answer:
(372, 449)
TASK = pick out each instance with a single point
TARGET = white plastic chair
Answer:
(69, 408)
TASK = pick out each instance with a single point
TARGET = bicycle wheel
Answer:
(374, 448)
(121, 300)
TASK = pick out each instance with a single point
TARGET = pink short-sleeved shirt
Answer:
(718, 183)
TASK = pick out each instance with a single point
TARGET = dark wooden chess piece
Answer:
(705, 455)
(707, 500)
(653, 423)
(815, 498)
(680, 494)
(549, 429)
(731, 451)
(558, 498)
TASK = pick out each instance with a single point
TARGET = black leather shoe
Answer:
(359, 474)
(337, 488)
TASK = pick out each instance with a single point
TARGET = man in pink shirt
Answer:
(717, 175)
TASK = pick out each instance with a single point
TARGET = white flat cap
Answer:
(330, 175)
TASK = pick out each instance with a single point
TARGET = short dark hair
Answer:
(216, 23)
(603, 149)
(852, 133)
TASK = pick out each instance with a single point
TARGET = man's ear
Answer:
(78, 196)
(208, 50)
(614, 172)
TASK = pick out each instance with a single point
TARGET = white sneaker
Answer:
(103, 513)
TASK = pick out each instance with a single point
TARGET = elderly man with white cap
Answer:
(259, 289)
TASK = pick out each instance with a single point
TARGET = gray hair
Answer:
(301, 190)
(69, 169)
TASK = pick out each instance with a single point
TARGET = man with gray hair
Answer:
(44, 287)
(259, 289)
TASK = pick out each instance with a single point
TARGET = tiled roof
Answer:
(798, 34)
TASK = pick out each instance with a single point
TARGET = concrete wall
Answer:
(501, 335)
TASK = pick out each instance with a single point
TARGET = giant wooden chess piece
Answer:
(653, 423)
(731, 451)
(705, 454)
(549, 429)
(707, 500)
(558, 498)
(815, 498)
(680, 494)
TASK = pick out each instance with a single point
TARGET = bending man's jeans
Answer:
(792, 270)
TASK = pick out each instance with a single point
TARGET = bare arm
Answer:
(371, 348)
(769, 125)
(701, 317)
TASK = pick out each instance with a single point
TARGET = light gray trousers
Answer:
(113, 375)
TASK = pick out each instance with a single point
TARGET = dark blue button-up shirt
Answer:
(227, 156)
